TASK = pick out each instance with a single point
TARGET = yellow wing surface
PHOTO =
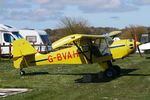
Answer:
(114, 33)
(75, 37)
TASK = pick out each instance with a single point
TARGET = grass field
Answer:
(64, 82)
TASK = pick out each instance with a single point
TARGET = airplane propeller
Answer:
(136, 43)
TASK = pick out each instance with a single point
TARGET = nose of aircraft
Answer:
(131, 44)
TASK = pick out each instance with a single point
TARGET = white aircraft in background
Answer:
(144, 47)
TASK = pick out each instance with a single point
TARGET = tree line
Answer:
(70, 26)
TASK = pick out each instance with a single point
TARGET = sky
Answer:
(43, 14)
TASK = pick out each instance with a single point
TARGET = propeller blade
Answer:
(134, 36)
(137, 43)
(139, 50)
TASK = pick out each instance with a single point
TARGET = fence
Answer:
(9, 49)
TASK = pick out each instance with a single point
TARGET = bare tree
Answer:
(130, 31)
(74, 26)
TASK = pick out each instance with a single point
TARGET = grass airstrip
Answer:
(65, 82)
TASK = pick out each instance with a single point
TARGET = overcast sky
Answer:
(42, 14)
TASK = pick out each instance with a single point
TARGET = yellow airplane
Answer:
(75, 49)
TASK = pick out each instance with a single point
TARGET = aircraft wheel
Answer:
(117, 69)
(22, 73)
(110, 73)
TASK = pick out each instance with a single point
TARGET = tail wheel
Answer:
(117, 69)
(110, 73)
(22, 73)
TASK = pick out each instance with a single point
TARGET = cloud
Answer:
(100, 5)
(115, 17)
(42, 10)
(37, 15)
(141, 2)
(43, 1)
(31, 10)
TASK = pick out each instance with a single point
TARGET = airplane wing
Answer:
(114, 33)
(112, 36)
(145, 46)
(75, 37)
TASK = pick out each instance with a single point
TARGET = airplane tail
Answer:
(21, 49)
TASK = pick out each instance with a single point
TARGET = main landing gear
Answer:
(22, 72)
(112, 71)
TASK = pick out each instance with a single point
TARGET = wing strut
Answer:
(82, 52)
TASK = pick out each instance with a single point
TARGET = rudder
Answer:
(21, 48)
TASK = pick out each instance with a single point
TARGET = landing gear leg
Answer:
(112, 71)
(117, 68)
(21, 72)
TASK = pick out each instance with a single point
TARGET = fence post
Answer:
(10, 51)
(46, 48)
(40, 47)
(0, 51)
(33, 45)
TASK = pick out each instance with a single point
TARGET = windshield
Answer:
(103, 46)
(45, 39)
(17, 35)
(109, 40)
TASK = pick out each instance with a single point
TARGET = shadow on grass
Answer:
(36, 73)
(147, 57)
(98, 77)
(92, 77)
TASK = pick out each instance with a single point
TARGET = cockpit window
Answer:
(103, 47)
(109, 39)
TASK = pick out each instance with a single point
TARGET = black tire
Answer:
(117, 69)
(110, 73)
(22, 73)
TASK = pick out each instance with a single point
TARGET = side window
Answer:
(45, 39)
(31, 39)
(8, 38)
